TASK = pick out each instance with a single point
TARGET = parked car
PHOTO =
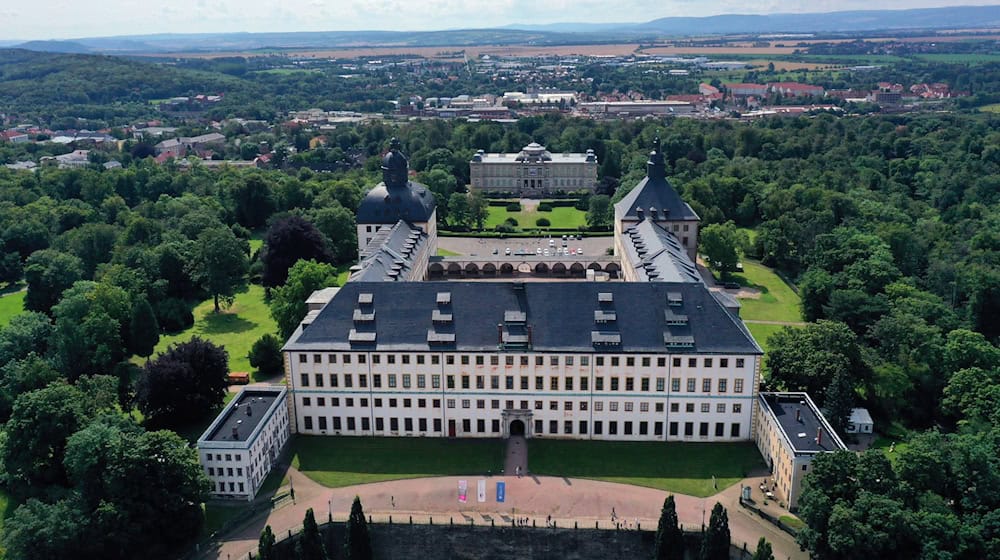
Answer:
(731, 285)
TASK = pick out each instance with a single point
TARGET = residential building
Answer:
(241, 445)
(790, 430)
(533, 172)
(795, 89)
(746, 90)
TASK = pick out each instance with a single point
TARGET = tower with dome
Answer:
(396, 199)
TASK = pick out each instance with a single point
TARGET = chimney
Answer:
(500, 334)
(529, 336)
(819, 436)
(798, 414)
(236, 433)
(652, 213)
(249, 410)
(639, 212)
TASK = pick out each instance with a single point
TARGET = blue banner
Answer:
(501, 491)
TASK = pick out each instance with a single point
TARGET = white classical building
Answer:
(657, 357)
(533, 172)
(239, 448)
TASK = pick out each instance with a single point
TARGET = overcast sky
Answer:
(62, 19)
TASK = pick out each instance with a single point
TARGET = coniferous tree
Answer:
(310, 544)
(143, 329)
(669, 538)
(715, 543)
(763, 550)
(357, 544)
(839, 401)
(265, 547)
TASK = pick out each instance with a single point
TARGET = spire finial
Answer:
(656, 143)
(395, 146)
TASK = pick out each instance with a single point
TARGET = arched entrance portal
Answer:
(517, 428)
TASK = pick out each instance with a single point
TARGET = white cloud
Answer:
(47, 19)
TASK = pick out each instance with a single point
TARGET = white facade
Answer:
(860, 422)
(580, 396)
(238, 450)
(368, 231)
(534, 172)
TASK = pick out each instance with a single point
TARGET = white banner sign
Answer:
(481, 491)
(463, 491)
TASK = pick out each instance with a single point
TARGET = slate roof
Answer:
(257, 400)
(656, 255)
(801, 430)
(535, 316)
(655, 192)
(413, 202)
(391, 255)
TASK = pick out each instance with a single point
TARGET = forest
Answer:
(889, 226)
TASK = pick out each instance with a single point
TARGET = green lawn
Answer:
(793, 522)
(685, 468)
(777, 301)
(960, 58)
(992, 108)
(344, 461)
(762, 332)
(7, 507)
(447, 253)
(560, 217)
(236, 328)
(10, 305)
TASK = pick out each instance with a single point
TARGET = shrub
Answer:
(545, 207)
(543, 222)
(511, 222)
(504, 228)
(265, 355)
(514, 207)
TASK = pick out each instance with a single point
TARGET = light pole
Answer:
(330, 506)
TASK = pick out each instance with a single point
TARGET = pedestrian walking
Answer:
(392, 500)
(613, 514)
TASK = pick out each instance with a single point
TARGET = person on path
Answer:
(392, 500)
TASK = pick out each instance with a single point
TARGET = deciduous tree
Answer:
(184, 383)
(287, 241)
(288, 303)
(219, 263)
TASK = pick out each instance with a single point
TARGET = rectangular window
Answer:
(480, 403)
(615, 361)
(348, 380)
(303, 359)
(675, 384)
(408, 424)
(495, 426)
(613, 428)
(628, 428)
(436, 361)
(509, 382)
(449, 360)
(598, 427)
(333, 380)
(392, 380)
(392, 358)
(362, 380)
(553, 384)
(689, 429)
(689, 407)
(420, 359)
(691, 384)
(377, 358)
(436, 381)
(309, 422)
(322, 422)
(304, 378)
(553, 426)
(421, 381)
(659, 407)
(347, 358)
(465, 381)
(495, 404)
(599, 406)
(739, 362)
(406, 380)
(706, 385)
(465, 360)
(629, 362)
(539, 383)
(677, 362)
(569, 360)
(394, 424)
(422, 424)
(675, 407)
(599, 361)
(582, 427)
(661, 362)
(379, 424)
(720, 429)
(644, 407)
(494, 382)
(421, 403)
(705, 407)
(628, 406)
(734, 430)
(538, 427)
(568, 406)
(350, 423)
(583, 406)
(466, 403)
(645, 361)
(737, 385)
(366, 423)
(673, 428)
(553, 405)
(393, 403)
(708, 362)
(362, 358)
(508, 360)
(598, 383)
(480, 360)
(720, 408)
(320, 401)
(494, 360)
(306, 401)
(584, 360)
(450, 403)
(450, 381)
(644, 384)
(737, 408)
(643, 428)
(319, 377)
(538, 405)
(481, 426)
(584, 382)
(723, 385)
(524, 360)
(703, 429)
(723, 362)
(569, 383)
(467, 425)
(437, 424)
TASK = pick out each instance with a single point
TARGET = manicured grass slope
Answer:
(236, 328)
(763, 332)
(686, 468)
(777, 301)
(10, 305)
(344, 461)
